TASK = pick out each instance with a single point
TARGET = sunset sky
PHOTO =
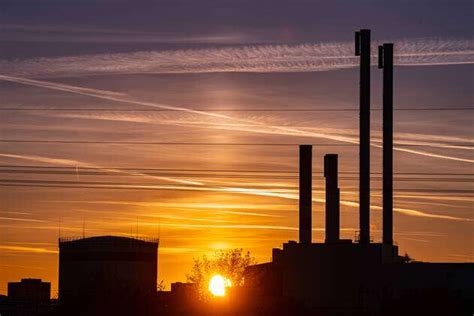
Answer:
(131, 84)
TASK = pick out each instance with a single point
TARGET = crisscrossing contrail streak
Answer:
(255, 58)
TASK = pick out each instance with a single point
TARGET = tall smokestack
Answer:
(363, 49)
(306, 173)
(386, 62)
(332, 198)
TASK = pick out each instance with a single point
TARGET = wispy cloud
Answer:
(65, 34)
(253, 126)
(77, 164)
(27, 249)
(434, 197)
(20, 219)
(249, 125)
(201, 226)
(463, 257)
(29, 268)
(15, 213)
(255, 58)
(177, 250)
(65, 87)
(284, 194)
(416, 213)
(415, 239)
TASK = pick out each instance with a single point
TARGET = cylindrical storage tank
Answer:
(106, 265)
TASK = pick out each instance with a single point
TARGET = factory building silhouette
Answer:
(27, 297)
(29, 290)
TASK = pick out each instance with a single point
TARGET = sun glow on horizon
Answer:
(218, 285)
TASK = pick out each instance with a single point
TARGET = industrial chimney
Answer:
(332, 198)
(306, 173)
(386, 62)
(362, 49)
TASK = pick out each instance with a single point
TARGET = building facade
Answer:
(29, 291)
(106, 266)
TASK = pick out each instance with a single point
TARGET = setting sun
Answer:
(218, 284)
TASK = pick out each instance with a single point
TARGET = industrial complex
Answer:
(359, 277)
(337, 277)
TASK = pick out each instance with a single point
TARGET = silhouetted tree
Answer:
(230, 264)
(407, 258)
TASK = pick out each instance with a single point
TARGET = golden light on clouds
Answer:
(149, 191)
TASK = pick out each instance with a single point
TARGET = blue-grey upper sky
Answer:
(109, 24)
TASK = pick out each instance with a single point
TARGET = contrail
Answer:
(62, 87)
(403, 138)
(78, 164)
(255, 58)
(431, 155)
(255, 126)
(282, 130)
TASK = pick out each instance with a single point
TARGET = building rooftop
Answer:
(108, 243)
(107, 239)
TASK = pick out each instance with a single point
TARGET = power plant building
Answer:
(342, 276)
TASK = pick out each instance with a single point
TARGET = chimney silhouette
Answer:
(332, 198)
(305, 188)
(362, 49)
(386, 62)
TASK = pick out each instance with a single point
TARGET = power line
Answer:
(180, 170)
(97, 142)
(226, 110)
(207, 188)
(222, 176)
(106, 183)
(159, 143)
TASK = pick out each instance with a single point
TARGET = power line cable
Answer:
(222, 176)
(226, 110)
(128, 184)
(180, 170)
(93, 142)
(207, 188)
